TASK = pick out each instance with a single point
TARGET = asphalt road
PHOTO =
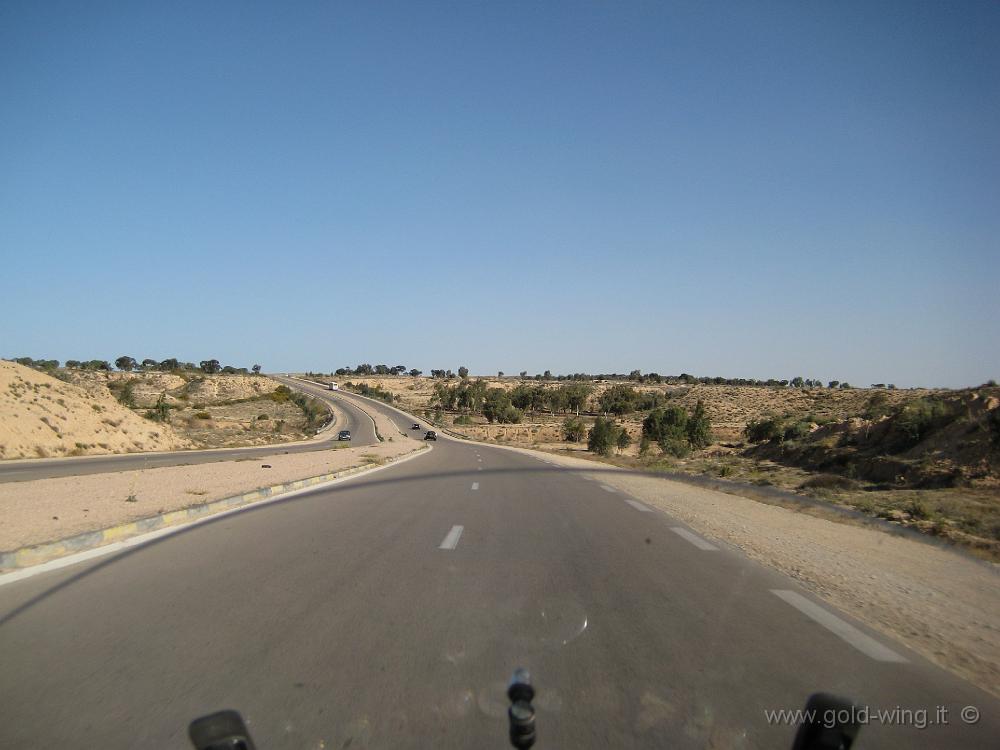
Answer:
(389, 610)
(360, 425)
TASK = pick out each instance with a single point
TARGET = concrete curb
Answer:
(26, 557)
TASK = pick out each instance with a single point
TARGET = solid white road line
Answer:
(863, 643)
(638, 506)
(696, 540)
(608, 488)
(451, 541)
(475, 485)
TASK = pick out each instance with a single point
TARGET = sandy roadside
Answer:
(48, 509)
(941, 604)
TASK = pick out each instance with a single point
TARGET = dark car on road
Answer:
(431, 435)
(344, 435)
(415, 426)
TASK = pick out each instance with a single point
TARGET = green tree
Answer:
(169, 365)
(577, 395)
(603, 436)
(124, 363)
(210, 366)
(414, 373)
(496, 405)
(520, 396)
(624, 440)
(463, 372)
(557, 399)
(256, 369)
(618, 399)
(798, 382)
(699, 427)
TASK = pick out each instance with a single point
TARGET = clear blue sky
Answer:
(740, 189)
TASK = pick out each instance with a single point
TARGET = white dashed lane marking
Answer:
(475, 485)
(844, 630)
(451, 540)
(696, 540)
(608, 488)
(638, 506)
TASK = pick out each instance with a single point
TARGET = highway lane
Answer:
(358, 616)
(360, 425)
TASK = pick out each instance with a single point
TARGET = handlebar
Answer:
(225, 730)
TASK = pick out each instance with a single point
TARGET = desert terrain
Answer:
(927, 459)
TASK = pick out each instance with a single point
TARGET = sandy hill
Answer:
(42, 416)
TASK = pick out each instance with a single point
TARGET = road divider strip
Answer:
(27, 557)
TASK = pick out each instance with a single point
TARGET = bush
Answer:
(462, 419)
(160, 412)
(876, 406)
(828, 482)
(676, 431)
(574, 429)
(126, 394)
(675, 446)
(281, 394)
(203, 415)
(797, 431)
(993, 422)
(263, 416)
(760, 431)
(917, 420)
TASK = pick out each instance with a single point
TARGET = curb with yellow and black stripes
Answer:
(25, 557)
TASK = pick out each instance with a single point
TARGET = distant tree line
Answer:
(367, 369)
(130, 364)
(634, 376)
